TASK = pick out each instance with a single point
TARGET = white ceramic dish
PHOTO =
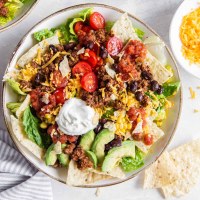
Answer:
(22, 13)
(186, 7)
(53, 20)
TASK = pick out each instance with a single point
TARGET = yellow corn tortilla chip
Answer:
(186, 158)
(32, 53)
(156, 132)
(18, 132)
(162, 172)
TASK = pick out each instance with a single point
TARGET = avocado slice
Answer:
(87, 140)
(92, 157)
(63, 159)
(50, 156)
(116, 154)
(98, 146)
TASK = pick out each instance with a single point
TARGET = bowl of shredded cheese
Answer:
(184, 36)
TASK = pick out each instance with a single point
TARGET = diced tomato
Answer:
(89, 82)
(99, 61)
(60, 138)
(60, 96)
(89, 56)
(81, 68)
(58, 80)
(148, 139)
(51, 129)
(96, 48)
(114, 46)
(86, 29)
(97, 21)
(35, 99)
(78, 26)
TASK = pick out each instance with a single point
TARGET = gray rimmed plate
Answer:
(112, 14)
(21, 14)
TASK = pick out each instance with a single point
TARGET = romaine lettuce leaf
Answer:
(129, 164)
(170, 88)
(15, 86)
(13, 106)
(139, 33)
(109, 25)
(43, 34)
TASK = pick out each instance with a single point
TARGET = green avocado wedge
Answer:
(63, 159)
(115, 155)
(98, 146)
(87, 140)
(50, 156)
(92, 157)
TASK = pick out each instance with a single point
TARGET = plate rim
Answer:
(133, 17)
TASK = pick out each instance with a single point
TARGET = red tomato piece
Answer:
(78, 26)
(89, 56)
(89, 82)
(60, 96)
(114, 46)
(148, 139)
(86, 29)
(58, 80)
(81, 68)
(97, 21)
(35, 99)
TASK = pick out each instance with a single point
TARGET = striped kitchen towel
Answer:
(19, 180)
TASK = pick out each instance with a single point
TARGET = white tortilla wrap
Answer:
(123, 29)
(19, 133)
(32, 53)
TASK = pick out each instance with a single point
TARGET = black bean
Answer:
(98, 128)
(117, 142)
(115, 67)
(39, 78)
(69, 46)
(139, 96)
(53, 48)
(154, 86)
(103, 121)
(145, 101)
(160, 90)
(133, 86)
(90, 44)
(146, 75)
(103, 52)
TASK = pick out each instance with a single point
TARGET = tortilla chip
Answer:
(162, 172)
(77, 177)
(23, 106)
(186, 159)
(32, 53)
(18, 131)
(123, 29)
(157, 134)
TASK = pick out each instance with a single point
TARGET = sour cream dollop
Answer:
(76, 118)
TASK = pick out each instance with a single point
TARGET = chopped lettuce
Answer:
(43, 34)
(108, 113)
(13, 106)
(170, 88)
(129, 164)
(82, 16)
(32, 127)
(15, 86)
(139, 33)
(109, 25)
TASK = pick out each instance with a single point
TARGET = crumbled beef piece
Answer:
(3, 11)
(25, 85)
(100, 36)
(85, 163)
(70, 148)
(78, 154)
(73, 58)
(47, 57)
(60, 47)
(58, 60)
(34, 64)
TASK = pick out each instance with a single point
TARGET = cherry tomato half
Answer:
(89, 56)
(89, 82)
(97, 21)
(60, 96)
(78, 26)
(81, 68)
(148, 139)
(114, 46)
(86, 29)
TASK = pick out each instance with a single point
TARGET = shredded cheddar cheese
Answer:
(190, 36)
(192, 93)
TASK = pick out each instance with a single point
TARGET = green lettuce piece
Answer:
(15, 86)
(13, 106)
(82, 16)
(32, 127)
(109, 25)
(43, 34)
(170, 88)
(129, 164)
(139, 33)
(108, 113)
(13, 6)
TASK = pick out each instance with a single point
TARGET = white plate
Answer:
(54, 20)
(186, 7)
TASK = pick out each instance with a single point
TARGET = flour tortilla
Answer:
(32, 53)
(23, 106)
(19, 133)
(123, 29)
(156, 132)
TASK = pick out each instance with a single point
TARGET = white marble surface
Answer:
(158, 15)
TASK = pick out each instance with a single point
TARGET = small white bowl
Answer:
(186, 7)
